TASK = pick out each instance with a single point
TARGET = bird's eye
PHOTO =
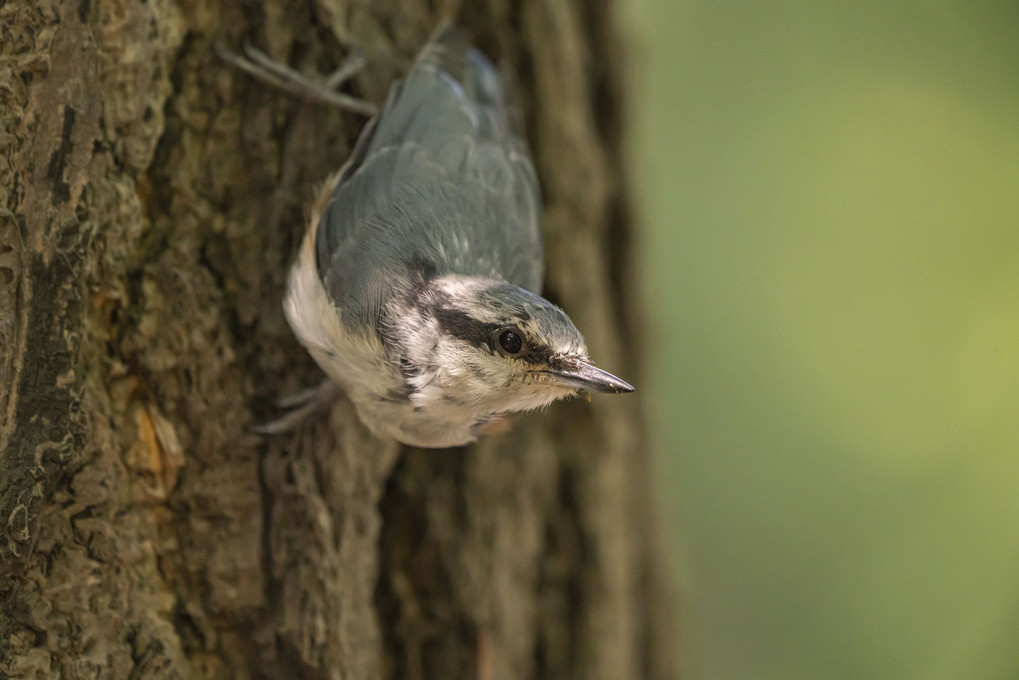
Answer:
(509, 341)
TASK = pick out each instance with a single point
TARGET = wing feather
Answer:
(440, 180)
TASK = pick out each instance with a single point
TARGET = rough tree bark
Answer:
(152, 198)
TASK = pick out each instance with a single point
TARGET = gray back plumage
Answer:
(440, 182)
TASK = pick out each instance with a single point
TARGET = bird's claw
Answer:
(260, 65)
(298, 407)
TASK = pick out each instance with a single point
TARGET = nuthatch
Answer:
(416, 286)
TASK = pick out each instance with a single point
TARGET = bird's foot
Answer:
(300, 406)
(260, 65)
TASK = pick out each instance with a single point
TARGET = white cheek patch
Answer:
(458, 373)
(417, 336)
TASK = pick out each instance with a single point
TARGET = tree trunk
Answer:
(152, 199)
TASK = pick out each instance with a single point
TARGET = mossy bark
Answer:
(151, 198)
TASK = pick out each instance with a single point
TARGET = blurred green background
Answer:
(831, 258)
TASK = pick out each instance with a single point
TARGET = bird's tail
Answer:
(448, 50)
(451, 97)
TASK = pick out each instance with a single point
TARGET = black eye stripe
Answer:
(461, 325)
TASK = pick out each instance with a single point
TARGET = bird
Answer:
(417, 285)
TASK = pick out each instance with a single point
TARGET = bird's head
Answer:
(490, 347)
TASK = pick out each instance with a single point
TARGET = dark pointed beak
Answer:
(584, 376)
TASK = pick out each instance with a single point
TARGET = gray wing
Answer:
(440, 182)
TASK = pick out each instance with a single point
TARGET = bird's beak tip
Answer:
(585, 376)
